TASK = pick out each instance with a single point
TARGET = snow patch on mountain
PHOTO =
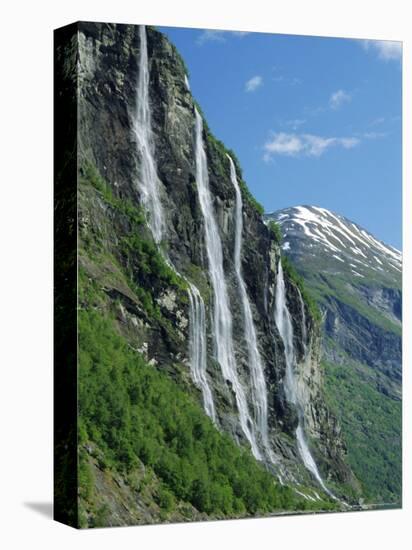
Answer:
(350, 245)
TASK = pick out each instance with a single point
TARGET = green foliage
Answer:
(275, 230)
(338, 286)
(101, 516)
(149, 264)
(372, 427)
(165, 499)
(133, 411)
(325, 286)
(149, 274)
(180, 60)
(150, 270)
(85, 477)
(89, 175)
(313, 307)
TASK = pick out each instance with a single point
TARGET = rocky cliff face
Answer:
(357, 281)
(150, 305)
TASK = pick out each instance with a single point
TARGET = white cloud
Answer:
(307, 145)
(283, 144)
(387, 50)
(338, 98)
(210, 35)
(253, 83)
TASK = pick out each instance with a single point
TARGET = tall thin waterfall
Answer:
(150, 196)
(198, 349)
(222, 317)
(149, 181)
(259, 392)
(284, 324)
(187, 84)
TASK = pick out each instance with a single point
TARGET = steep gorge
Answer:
(175, 257)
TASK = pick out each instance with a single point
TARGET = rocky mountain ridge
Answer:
(141, 283)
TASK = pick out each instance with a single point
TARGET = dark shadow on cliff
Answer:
(45, 509)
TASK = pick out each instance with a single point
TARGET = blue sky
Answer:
(312, 120)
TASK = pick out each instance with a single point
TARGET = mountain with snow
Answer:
(357, 281)
(349, 248)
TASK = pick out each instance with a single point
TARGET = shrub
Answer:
(276, 231)
(313, 307)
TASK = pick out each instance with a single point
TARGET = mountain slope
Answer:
(161, 203)
(357, 282)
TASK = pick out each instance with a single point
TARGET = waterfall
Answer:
(259, 392)
(284, 324)
(149, 181)
(198, 348)
(187, 84)
(222, 317)
(150, 197)
(307, 457)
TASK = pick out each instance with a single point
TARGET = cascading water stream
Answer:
(222, 317)
(187, 84)
(150, 197)
(259, 391)
(284, 324)
(198, 349)
(149, 181)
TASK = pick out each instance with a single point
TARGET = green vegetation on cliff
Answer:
(276, 231)
(294, 276)
(335, 286)
(141, 421)
(371, 424)
(135, 412)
